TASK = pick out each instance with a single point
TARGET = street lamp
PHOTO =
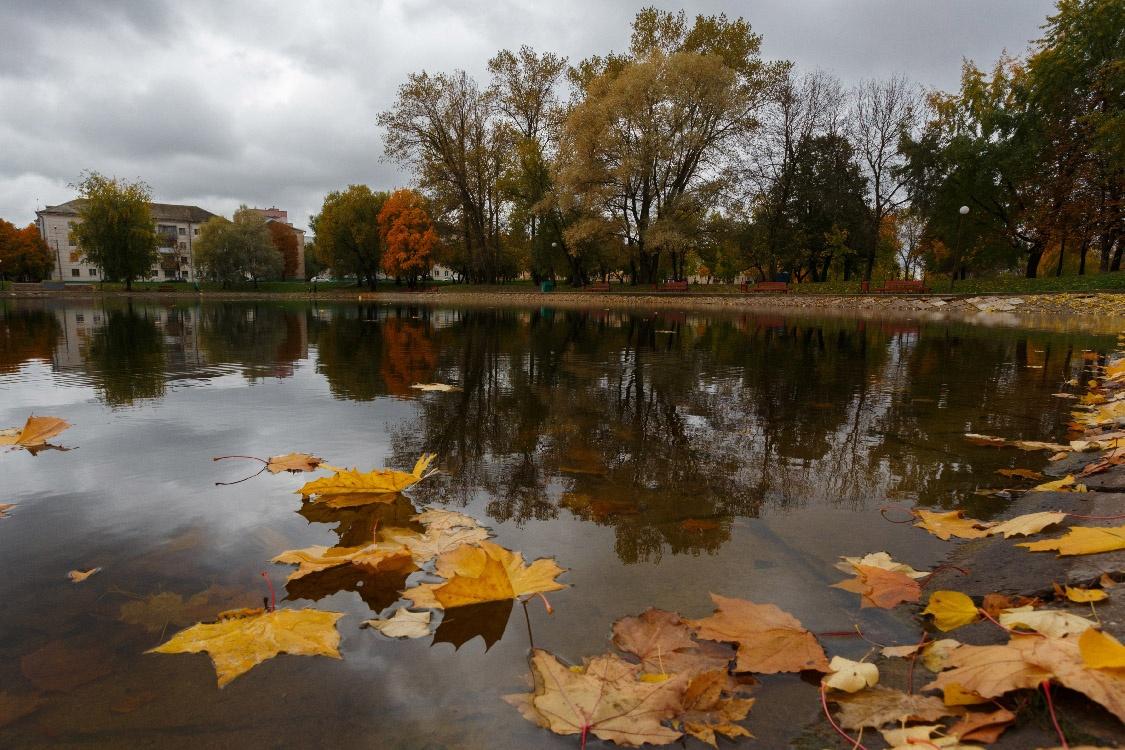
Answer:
(961, 213)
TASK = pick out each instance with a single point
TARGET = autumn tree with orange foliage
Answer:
(24, 256)
(409, 236)
(285, 240)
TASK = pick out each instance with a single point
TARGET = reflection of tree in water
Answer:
(668, 436)
(264, 340)
(26, 334)
(408, 356)
(125, 357)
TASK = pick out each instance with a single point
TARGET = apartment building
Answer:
(177, 226)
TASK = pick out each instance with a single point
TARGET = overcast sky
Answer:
(219, 102)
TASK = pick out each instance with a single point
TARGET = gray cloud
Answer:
(230, 104)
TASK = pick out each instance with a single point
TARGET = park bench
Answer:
(898, 286)
(598, 286)
(764, 286)
(672, 286)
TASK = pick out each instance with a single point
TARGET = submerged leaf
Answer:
(78, 576)
(769, 639)
(704, 712)
(157, 611)
(238, 644)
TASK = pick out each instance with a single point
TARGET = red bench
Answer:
(672, 286)
(598, 286)
(764, 286)
(898, 286)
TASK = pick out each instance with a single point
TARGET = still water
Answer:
(656, 456)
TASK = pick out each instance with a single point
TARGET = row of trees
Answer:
(689, 153)
(24, 256)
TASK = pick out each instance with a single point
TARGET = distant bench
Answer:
(897, 286)
(672, 286)
(598, 286)
(764, 286)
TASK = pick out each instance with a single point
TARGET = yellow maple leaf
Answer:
(1101, 650)
(485, 573)
(1029, 523)
(951, 609)
(1082, 540)
(35, 432)
(379, 481)
(1081, 595)
(1066, 484)
(953, 523)
(238, 644)
(375, 557)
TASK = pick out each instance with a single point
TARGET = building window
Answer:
(76, 272)
(182, 232)
(183, 258)
(195, 231)
(169, 274)
(93, 272)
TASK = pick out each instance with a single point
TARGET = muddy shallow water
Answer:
(656, 456)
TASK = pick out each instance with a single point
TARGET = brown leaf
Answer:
(663, 643)
(156, 612)
(879, 705)
(995, 604)
(982, 727)
(1020, 473)
(769, 639)
(15, 706)
(61, 666)
(4, 508)
(705, 712)
(989, 671)
(78, 576)
(1062, 658)
(36, 432)
(881, 588)
(293, 462)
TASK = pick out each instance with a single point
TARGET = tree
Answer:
(347, 233)
(24, 255)
(231, 251)
(313, 266)
(285, 242)
(116, 232)
(408, 235)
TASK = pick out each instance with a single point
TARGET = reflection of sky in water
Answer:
(589, 438)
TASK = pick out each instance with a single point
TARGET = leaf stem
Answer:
(1046, 685)
(856, 745)
(273, 594)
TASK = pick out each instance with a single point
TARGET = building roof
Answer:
(165, 211)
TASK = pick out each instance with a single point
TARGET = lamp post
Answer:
(961, 213)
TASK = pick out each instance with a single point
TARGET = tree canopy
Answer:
(116, 232)
(230, 251)
(347, 233)
(24, 255)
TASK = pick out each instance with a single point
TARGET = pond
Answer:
(656, 455)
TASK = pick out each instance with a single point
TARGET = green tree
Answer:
(313, 265)
(347, 233)
(116, 232)
(230, 251)
(24, 255)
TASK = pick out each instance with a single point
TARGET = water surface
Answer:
(658, 456)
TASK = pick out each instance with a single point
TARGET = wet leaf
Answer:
(34, 433)
(438, 387)
(356, 499)
(1049, 622)
(983, 727)
(484, 574)
(663, 643)
(156, 612)
(605, 698)
(374, 558)
(78, 576)
(1081, 595)
(850, 676)
(61, 666)
(293, 462)
(1019, 473)
(769, 639)
(1082, 540)
(1101, 650)
(878, 560)
(879, 706)
(4, 508)
(403, 624)
(994, 604)
(131, 703)
(1066, 484)
(989, 671)
(1029, 523)
(920, 736)
(951, 610)
(238, 644)
(15, 706)
(705, 712)
(1061, 657)
(953, 523)
(936, 653)
(351, 481)
(881, 588)
(445, 532)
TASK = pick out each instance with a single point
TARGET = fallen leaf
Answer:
(1082, 540)
(156, 612)
(990, 671)
(994, 604)
(850, 676)
(78, 576)
(954, 695)
(293, 462)
(951, 609)
(484, 574)
(880, 705)
(983, 727)
(1061, 657)
(1101, 650)
(920, 736)
(4, 508)
(878, 560)
(663, 643)
(404, 624)
(881, 588)
(977, 439)
(953, 523)
(936, 653)
(605, 697)
(381, 480)
(61, 666)
(35, 432)
(237, 644)
(377, 557)
(1049, 622)
(769, 639)
(1081, 595)
(1020, 473)
(1106, 582)
(439, 387)
(704, 712)
(1066, 484)
(14, 706)
(1064, 395)
(1029, 523)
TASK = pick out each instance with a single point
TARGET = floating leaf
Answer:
(1019, 473)
(881, 588)
(705, 712)
(1101, 650)
(404, 624)
(293, 462)
(951, 609)
(878, 560)
(1082, 540)
(769, 639)
(953, 523)
(484, 574)
(35, 432)
(1029, 523)
(351, 481)
(1066, 484)
(663, 643)
(237, 644)
(78, 576)
(377, 557)
(605, 697)
(4, 508)
(880, 705)
(850, 676)
(439, 387)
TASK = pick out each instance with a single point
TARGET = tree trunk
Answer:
(1082, 257)
(1033, 261)
(1062, 252)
